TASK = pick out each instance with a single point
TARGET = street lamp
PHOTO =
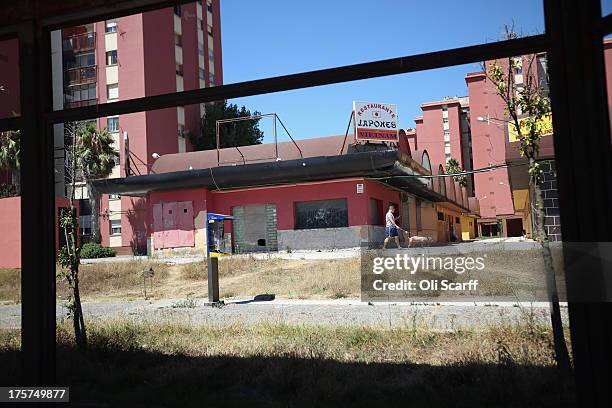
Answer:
(489, 119)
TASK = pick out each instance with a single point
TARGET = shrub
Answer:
(93, 250)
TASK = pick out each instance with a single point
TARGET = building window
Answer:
(202, 73)
(211, 79)
(457, 221)
(115, 227)
(178, 39)
(179, 69)
(444, 108)
(177, 10)
(112, 124)
(114, 196)
(440, 216)
(112, 91)
(321, 214)
(81, 93)
(111, 26)
(181, 131)
(210, 30)
(201, 49)
(86, 59)
(209, 6)
(444, 120)
(85, 224)
(111, 57)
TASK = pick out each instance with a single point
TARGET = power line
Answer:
(482, 170)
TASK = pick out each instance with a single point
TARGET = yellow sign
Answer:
(545, 126)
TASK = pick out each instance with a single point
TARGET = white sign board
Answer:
(375, 122)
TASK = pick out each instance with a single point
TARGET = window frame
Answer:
(112, 229)
(113, 119)
(116, 58)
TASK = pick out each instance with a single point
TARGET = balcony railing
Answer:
(79, 104)
(82, 75)
(80, 42)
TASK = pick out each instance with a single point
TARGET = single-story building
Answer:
(319, 193)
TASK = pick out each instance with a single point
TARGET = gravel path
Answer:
(342, 312)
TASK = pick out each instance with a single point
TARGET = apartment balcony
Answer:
(82, 75)
(80, 43)
(79, 104)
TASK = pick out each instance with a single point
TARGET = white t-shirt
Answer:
(389, 219)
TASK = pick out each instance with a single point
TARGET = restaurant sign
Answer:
(375, 122)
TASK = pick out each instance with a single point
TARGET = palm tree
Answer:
(95, 158)
(9, 155)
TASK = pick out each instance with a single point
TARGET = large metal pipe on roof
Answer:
(373, 164)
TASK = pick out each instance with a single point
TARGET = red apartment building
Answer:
(145, 54)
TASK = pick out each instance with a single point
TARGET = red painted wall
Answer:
(285, 197)
(10, 225)
(608, 63)
(10, 238)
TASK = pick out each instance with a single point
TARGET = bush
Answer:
(93, 250)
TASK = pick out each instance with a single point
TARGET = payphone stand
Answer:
(214, 249)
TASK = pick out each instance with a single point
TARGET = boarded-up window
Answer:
(321, 214)
(255, 228)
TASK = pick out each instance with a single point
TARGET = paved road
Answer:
(342, 312)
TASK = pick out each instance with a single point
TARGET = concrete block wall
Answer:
(320, 238)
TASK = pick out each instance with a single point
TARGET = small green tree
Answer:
(240, 133)
(525, 105)
(9, 156)
(90, 154)
(453, 167)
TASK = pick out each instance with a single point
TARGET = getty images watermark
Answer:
(410, 265)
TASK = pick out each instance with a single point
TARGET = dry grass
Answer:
(283, 365)
(117, 279)
(247, 276)
(291, 279)
(10, 285)
(238, 277)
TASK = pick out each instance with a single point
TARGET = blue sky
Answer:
(267, 38)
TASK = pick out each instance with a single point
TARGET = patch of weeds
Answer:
(187, 303)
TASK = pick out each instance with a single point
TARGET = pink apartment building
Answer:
(472, 130)
(156, 52)
(146, 54)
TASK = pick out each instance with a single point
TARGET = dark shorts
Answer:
(391, 232)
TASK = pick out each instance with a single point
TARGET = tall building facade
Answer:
(152, 53)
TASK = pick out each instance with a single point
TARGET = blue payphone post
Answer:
(215, 247)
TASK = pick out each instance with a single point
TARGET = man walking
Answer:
(391, 228)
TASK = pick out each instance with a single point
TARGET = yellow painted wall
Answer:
(467, 230)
